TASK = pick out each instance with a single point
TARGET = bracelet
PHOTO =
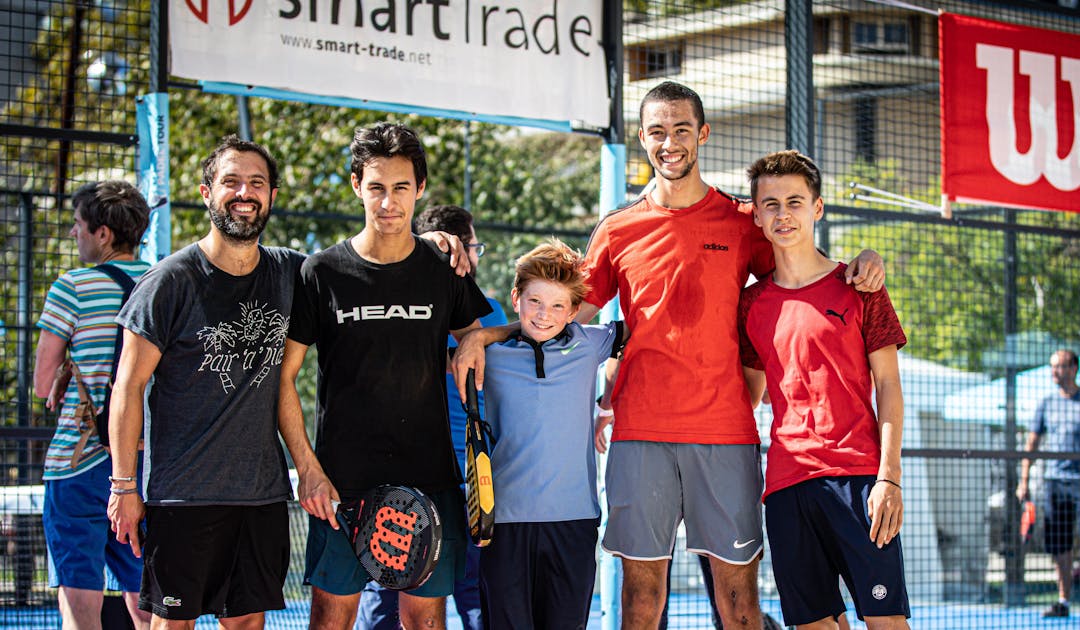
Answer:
(888, 481)
(604, 413)
(116, 479)
(122, 490)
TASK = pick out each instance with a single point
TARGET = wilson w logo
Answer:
(202, 11)
(1047, 140)
(384, 533)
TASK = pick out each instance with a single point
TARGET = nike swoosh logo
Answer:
(740, 545)
(567, 350)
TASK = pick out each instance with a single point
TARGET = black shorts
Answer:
(539, 575)
(1059, 514)
(819, 532)
(223, 560)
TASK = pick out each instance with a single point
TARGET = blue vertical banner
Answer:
(152, 113)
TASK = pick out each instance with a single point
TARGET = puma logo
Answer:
(839, 316)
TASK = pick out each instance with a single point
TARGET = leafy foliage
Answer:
(948, 281)
(525, 185)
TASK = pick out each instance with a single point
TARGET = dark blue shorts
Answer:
(819, 532)
(1059, 514)
(539, 575)
(83, 551)
(331, 564)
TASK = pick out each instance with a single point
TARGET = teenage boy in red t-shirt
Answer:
(833, 506)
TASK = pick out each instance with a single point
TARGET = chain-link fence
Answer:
(984, 297)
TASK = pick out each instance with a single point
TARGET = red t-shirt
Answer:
(678, 274)
(814, 343)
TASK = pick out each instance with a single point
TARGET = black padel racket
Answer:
(396, 534)
(480, 492)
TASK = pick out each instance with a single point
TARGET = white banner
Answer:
(536, 59)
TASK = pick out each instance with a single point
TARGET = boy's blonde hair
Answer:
(554, 261)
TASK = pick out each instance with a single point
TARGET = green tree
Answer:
(522, 180)
(948, 281)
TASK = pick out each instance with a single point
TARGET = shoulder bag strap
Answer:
(127, 284)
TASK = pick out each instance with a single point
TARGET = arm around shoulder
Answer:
(866, 272)
(470, 352)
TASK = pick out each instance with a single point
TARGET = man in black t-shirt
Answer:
(208, 324)
(378, 306)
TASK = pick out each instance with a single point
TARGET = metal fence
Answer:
(984, 297)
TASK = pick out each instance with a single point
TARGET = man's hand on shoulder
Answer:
(867, 272)
(470, 353)
(450, 244)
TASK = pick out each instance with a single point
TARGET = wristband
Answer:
(888, 481)
(604, 413)
(116, 479)
(122, 490)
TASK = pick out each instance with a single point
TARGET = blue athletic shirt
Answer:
(1057, 420)
(541, 415)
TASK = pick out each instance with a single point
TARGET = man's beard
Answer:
(238, 229)
(679, 175)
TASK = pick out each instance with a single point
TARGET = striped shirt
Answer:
(80, 308)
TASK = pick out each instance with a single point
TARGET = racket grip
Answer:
(472, 404)
(334, 505)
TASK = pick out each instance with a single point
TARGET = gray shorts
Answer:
(715, 489)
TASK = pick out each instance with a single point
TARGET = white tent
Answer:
(985, 404)
(931, 491)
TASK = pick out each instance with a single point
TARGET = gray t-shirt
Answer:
(211, 434)
(1057, 421)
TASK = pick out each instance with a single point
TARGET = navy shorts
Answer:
(225, 560)
(331, 564)
(539, 575)
(1059, 514)
(83, 551)
(819, 532)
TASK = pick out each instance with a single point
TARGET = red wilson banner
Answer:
(1010, 114)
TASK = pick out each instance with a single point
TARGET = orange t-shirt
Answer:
(678, 274)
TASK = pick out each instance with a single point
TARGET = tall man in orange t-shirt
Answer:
(686, 446)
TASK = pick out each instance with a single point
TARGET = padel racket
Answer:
(481, 493)
(396, 534)
(1027, 521)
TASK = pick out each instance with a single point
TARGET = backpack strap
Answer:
(126, 284)
(84, 414)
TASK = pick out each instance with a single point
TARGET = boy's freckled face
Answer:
(545, 308)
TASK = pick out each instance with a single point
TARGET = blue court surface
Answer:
(940, 616)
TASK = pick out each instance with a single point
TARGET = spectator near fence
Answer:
(1057, 427)
(110, 218)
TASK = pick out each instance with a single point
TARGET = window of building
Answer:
(822, 33)
(648, 62)
(881, 36)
